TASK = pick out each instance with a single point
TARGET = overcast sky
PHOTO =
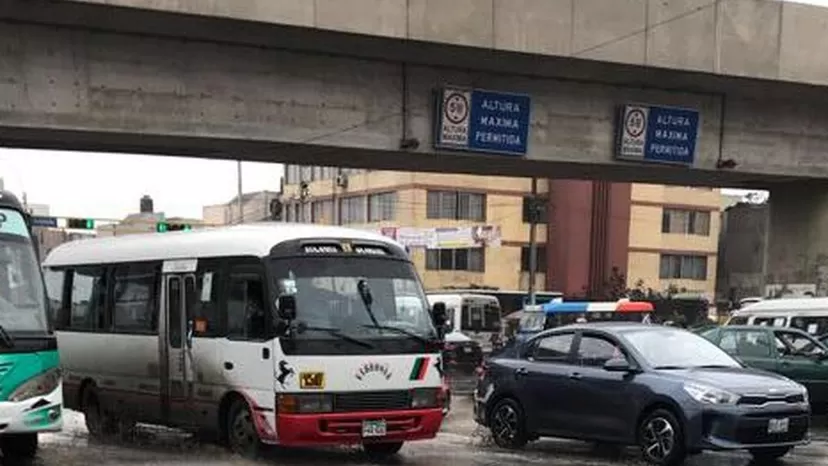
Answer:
(76, 184)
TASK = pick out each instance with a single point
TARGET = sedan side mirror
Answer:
(438, 315)
(617, 365)
(286, 307)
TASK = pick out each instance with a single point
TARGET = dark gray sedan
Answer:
(667, 390)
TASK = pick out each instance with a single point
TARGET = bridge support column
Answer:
(797, 255)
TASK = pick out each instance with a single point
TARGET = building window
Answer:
(382, 207)
(291, 174)
(306, 173)
(352, 210)
(471, 259)
(524, 259)
(527, 205)
(454, 205)
(322, 212)
(674, 266)
(685, 222)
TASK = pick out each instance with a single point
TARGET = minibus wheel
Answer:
(381, 451)
(242, 437)
(19, 446)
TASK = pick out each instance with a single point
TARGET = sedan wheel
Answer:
(508, 425)
(661, 439)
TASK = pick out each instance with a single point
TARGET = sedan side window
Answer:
(728, 342)
(798, 343)
(555, 348)
(594, 351)
(753, 344)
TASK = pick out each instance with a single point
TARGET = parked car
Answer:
(784, 350)
(461, 354)
(667, 390)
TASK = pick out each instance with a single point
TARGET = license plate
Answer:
(373, 428)
(467, 349)
(778, 426)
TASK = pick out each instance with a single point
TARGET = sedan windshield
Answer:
(361, 299)
(677, 349)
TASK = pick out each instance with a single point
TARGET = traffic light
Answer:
(80, 223)
(163, 227)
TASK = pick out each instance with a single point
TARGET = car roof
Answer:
(252, 239)
(610, 327)
(765, 327)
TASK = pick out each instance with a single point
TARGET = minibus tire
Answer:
(19, 446)
(381, 451)
(242, 436)
(93, 414)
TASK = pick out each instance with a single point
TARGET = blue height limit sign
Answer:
(657, 134)
(475, 120)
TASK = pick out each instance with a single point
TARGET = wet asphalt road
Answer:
(461, 444)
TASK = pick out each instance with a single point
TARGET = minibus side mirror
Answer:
(286, 307)
(438, 315)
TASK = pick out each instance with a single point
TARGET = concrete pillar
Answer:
(588, 234)
(798, 241)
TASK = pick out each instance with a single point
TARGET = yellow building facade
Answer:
(426, 201)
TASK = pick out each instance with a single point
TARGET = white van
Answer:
(807, 314)
(474, 315)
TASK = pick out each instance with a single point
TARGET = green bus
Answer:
(31, 392)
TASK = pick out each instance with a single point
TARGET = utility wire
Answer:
(649, 27)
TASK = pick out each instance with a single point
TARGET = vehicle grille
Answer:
(758, 400)
(372, 401)
(755, 430)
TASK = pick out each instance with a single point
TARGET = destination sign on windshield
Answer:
(344, 248)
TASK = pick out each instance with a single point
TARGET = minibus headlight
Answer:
(305, 403)
(426, 398)
(41, 385)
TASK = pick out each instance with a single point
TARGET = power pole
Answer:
(239, 198)
(534, 213)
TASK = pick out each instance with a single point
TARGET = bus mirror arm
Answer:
(439, 315)
(286, 307)
(190, 327)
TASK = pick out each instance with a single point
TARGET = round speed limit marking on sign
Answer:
(456, 108)
(635, 122)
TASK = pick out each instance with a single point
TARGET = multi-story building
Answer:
(674, 237)
(587, 230)
(256, 206)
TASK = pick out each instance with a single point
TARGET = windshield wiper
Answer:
(7, 339)
(367, 300)
(402, 331)
(714, 366)
(336, 333)
(669, 368)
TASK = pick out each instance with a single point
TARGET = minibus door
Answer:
(178, 342)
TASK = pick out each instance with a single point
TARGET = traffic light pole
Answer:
(240, 202)
(533, 240)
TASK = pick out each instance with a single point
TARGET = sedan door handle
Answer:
(575, 375)
(521, 372)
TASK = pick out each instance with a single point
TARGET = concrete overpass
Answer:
(350, 82)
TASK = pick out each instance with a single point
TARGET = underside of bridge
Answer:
(99, 78)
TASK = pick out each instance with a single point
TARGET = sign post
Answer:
(476, 120)
(44, 222)
(657, 134)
